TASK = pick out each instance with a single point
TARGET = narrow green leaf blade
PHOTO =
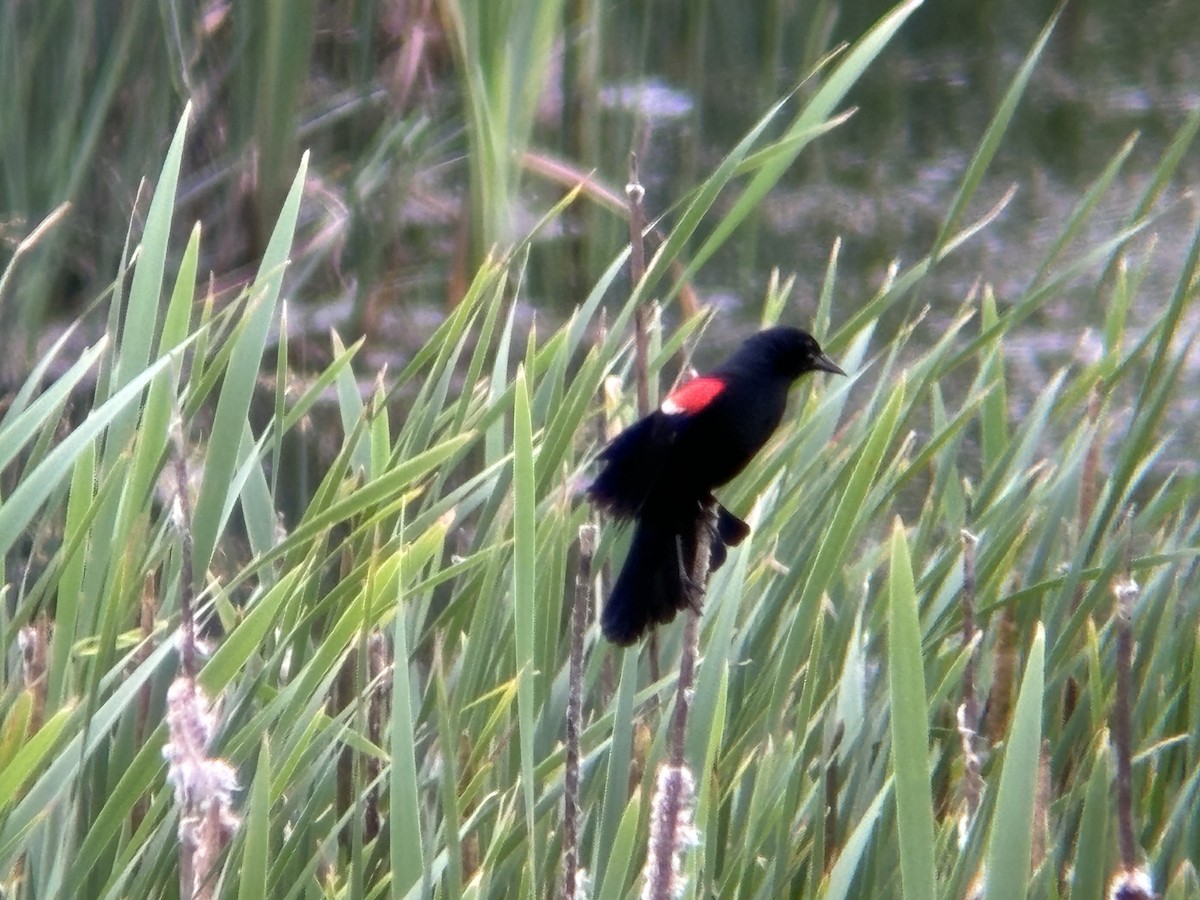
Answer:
(910, 726)
(257, 851)
(240, 379)
(407, 853)
(524, 596)
(1010, 844)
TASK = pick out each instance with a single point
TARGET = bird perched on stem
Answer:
(661, 472)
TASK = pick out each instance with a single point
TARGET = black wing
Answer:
(633, 463)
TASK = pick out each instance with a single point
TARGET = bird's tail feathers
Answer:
(657, 579)
(653, 586)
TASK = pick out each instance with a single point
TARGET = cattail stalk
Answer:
(203, 785)
(635, 193)
(637, 270)
(968, 713)
(33, 641)
(1125, 593)
(672, 828)
(571, 785)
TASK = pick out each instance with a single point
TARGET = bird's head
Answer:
(782, 351)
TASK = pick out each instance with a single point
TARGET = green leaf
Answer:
(14, 732)
(993, 423)
(619, 856)
(835, 543)
(406, 849)
(18, 430)
(910, 727)
(616, 777)
(141, 314)
(256, 852)
(241, 377)
(1011, 841)
(20, 507)
(991, 139)
(810, 123)
(525, 598)
(1091, 848)
(841, 876)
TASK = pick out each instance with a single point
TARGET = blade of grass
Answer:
(810, 123)
(256, 851)
(525, 601)
(996, 129)
(841, 876)
(407, 853)
(22, 504)
(240, 379)
(910, 726)
(1010, 844)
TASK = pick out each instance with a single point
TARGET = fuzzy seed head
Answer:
(1131, 884)
(202, 784)
(672, 831)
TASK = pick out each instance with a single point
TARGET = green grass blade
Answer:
(1091, 847)
(910, 726)
(811, 122)
(835, 543)
(22, 504)
(525, 598)
(841, 876)
(406, 849)
(620, 855)
(256, 852)
(33, 753)
(141, 313)
(1011, 841)
(986, 151)
(616, 777)
(30, 422)
(241, 377)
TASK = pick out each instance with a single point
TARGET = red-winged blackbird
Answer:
(661, 471)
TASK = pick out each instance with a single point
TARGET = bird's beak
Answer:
(825, 364)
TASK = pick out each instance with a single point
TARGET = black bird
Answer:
(661, 472)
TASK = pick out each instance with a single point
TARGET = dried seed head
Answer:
(201, 782)
(1131, 884)
(203, 786)
(1126, 593)
(672, 831)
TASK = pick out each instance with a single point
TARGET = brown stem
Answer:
(187, 621)
(705, 528)
(571, 176)
(671, 808)
(831, 797)
(1089, 484)
(1125, 593)
(1003, 670)
(32, 641)
(969, 725)
(579, 617)
(637, 270)
(607, 679)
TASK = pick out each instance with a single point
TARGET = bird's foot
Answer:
(692, 590)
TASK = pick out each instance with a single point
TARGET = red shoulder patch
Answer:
(692, 396)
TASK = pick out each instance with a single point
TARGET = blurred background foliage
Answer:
(442, 128)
